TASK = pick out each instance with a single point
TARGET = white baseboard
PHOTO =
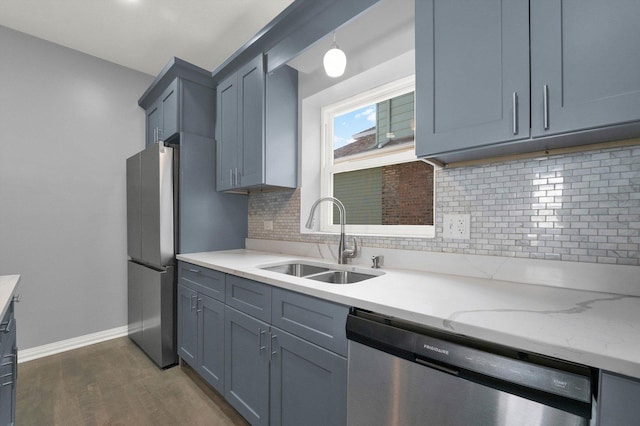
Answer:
(69, 344)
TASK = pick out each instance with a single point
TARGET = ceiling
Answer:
(144, 34)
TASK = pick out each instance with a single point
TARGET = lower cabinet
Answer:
(201, 324)
(277, 356)
(273, 377)
(619, 402)
(247, 366)
(8, 368)
(308, 383)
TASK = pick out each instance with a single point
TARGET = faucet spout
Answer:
(343, 253)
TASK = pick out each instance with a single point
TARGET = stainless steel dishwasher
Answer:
(401, 373)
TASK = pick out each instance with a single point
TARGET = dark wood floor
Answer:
(114, 383)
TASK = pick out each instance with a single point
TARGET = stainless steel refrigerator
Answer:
(151, 218)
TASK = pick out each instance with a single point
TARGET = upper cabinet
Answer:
(257, 128)
(472, 82)
(181, 99)
(584, 64)
(511, 77)
(180, 110)
(162, 115)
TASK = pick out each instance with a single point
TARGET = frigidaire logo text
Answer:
(433, 348)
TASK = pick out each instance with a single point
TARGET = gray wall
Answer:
(68, 121)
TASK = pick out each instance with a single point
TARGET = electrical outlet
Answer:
(456, 226)
(268, 225)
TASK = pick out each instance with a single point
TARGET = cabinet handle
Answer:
(545, 106)
(260, 333)
(198, 301)
(17, 298)
(515, 113)
(195, 271)
(7, 383)
(273, 340)
(193, 308)
(6, 326)
(237, 177)
(231, 177)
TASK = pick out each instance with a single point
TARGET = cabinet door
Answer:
(8, 368)
(203, 280)
(169, 99)
(308, 383)
(187, 325)
(246, 375)
(317, 321)
(226, 133)
(251, 92)
(584, 64)
(154, 122)
(619, 400)
(211, 341)
(249, 296)
(472, 74)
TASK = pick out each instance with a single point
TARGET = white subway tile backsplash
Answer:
(578, 207)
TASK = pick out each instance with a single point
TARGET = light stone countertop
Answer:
(597, 329)
(8, 285)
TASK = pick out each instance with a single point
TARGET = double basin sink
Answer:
(331, 274)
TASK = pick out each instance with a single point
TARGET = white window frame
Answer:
(386, 156)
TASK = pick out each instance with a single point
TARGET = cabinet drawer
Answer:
(249, 296)
(7, 324)
(206, 281)
(318, 321)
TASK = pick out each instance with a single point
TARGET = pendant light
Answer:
(335, 61)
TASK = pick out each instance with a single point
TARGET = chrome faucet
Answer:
(343, 252)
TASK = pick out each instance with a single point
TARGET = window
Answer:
(369, 164)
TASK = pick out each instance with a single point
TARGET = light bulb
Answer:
(335, 61)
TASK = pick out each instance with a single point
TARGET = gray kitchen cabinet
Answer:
(256, 128)
(515, 77)
(619, 400)
(227, 133)
(584, 64)
(181, 99)
(211, 340)
(8, 367)
(201, 322)
(472, 74)
(249, 296)
(247, 366)
(187, 325)
(162, 115)
(277, 356)
(308, 383)
(207, 220)
(315, 320)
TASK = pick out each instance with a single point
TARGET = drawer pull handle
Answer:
(194, 307)
(195, 271)
(260, 333)
(515, 113)
(5, 327)
(197, 301)
(545, 106)
(273, 341)
(17, 298)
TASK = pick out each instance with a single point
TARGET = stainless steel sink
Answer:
(331, 274)
(297, 269)
(341, 277)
